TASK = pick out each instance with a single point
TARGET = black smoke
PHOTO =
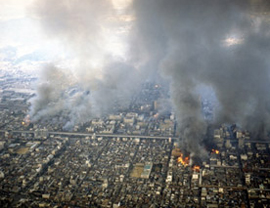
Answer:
(224, 45)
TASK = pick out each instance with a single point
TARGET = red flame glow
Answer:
(215, 151)
(196, 168)
(182, 160)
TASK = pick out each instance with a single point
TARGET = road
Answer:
(121, 135)
(97, 135)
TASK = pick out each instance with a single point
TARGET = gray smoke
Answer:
(95, 77)
(220, 44)
(223, 45)
(58, 93)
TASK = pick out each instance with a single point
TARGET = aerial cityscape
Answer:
(135, 103)
(131, 158)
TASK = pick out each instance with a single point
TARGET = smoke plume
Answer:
(96, 73)
(224, 45)
(220, 44)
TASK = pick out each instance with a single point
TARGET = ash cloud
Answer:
(220, 44)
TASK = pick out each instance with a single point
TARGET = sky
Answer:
(24, 46)
(21, 42)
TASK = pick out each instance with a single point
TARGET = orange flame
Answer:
(215, 151)
(196, 168)
(182, 160)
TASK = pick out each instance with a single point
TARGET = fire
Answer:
(215, 151)
(182, 160)
(26, 121)
(196, 168)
